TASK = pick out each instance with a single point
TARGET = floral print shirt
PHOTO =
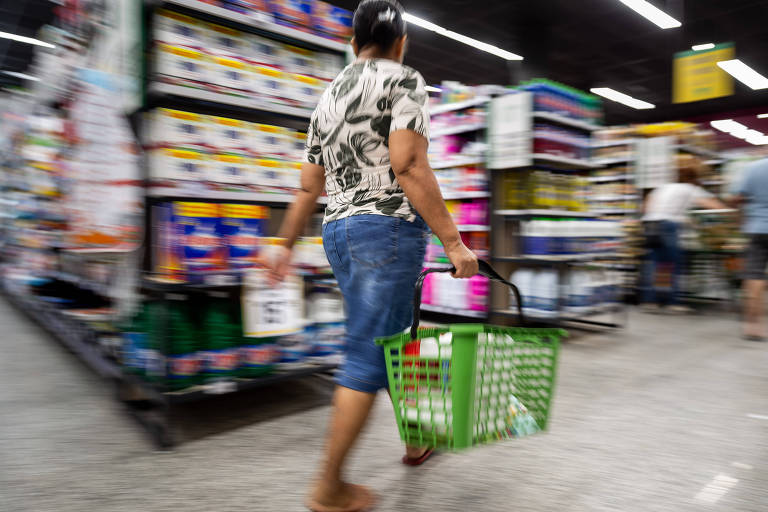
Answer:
(349, 136)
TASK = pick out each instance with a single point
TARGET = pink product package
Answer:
(426, 289)
(478, 293)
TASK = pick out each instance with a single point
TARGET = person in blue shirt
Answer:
(751, 194)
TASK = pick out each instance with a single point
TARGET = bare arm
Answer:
(299, 212)
(711, 203)
(408, 157)
(305, 203)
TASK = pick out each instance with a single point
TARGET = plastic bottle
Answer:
(223, 334)
(522, 278)
(181, 347)
(546, 284)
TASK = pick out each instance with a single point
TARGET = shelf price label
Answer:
(271, 311)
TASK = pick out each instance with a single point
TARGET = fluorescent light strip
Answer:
(744, 74)
(24, 39)
(652, 13)
(740, 131)
(23, 76)
(430, 88)
(700, 47)
(504, 54)
(762, 116)
(620, 97)
(728, 125)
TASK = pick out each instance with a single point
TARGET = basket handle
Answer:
(485, 269)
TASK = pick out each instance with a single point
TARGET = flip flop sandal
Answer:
(418, 461)
(362, 502)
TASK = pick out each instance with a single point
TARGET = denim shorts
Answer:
(376, 260)
(756, 257)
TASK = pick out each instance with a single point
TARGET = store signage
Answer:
(697, 77)
(271, 310)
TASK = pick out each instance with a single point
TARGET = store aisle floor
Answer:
(654, 418)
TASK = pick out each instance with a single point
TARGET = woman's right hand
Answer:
(277, 260)
(463, 259)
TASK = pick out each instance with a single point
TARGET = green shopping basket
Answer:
(467, 384)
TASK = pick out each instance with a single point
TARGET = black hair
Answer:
(378, 22)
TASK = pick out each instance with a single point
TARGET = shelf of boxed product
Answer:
(459, 105)
(241, 102)
(472, 227)
(605, 162)
(612, 143)
(217, 279)
(698, 151)
(260, 21)
(458, 162)
(466, 195)
(565, 121)
(453, 311)
(617, 177)
(456, 129)
(563, 160)
(173, 193)
(537, 212)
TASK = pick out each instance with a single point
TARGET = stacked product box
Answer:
(196, 53)
(194, 238)
(190, 147)
(564, 237)
(555, 98)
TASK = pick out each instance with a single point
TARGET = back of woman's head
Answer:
(378, 22)
(689, 169)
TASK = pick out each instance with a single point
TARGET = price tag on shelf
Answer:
(221, 387)
(271, 311)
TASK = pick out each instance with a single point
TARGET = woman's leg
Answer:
(376, 260)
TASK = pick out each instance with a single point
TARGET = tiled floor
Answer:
(653, 418)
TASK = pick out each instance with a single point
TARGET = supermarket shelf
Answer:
(612, 143)
(554, 258)
(563, 160)
(461, 128)
(604, 162)
(450, 107)
(544, 213)
(614, 211)
(566, 121)
(212, 281)
(710, 183)
(453, 311)
(73, 334)
(613, 197)
(435, 264)
(162, 88)
(562, 140)
(473, 227)
(224, 195)
(81, 282)
(466, 195)
(706, 153)
(261, 24)
(603, 179)
(459, 162)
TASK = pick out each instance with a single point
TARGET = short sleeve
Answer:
(313, 150)
(410, 105)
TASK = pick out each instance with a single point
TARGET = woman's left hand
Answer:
(277, 260)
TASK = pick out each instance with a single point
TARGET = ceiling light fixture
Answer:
(652, 13)
(620, 97)
(504, 54)
(758, 141)
(762, 116)
(744, 74)
(430, 88)
(700, 47)
(23, 76)
(24, 39)
(727, 125)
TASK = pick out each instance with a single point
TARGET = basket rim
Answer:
(428, 332)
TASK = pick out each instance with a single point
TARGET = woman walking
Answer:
(367, 146)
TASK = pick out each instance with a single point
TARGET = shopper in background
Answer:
(751, 193)
(367, 144)
(665, 210)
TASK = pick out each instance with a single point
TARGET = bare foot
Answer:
(342, 497)
(415, 452)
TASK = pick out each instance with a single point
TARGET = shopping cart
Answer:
(467, 384)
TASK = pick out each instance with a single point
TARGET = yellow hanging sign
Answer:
(697, 77)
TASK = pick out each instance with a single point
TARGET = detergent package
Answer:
(242, 226)
(188, 239)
